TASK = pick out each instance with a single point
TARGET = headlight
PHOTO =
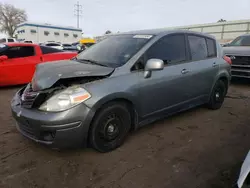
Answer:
(65, 99)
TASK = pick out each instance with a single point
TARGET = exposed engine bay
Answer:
(33, 99)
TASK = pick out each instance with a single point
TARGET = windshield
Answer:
(115, 51)
(241, 41)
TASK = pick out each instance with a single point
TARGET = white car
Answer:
(244, 179)
(54, 45)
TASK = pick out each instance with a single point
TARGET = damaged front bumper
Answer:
(64, 129)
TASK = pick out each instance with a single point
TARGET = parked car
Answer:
(239, 52)
(120, 84)
(18, 61)
(69, 47)
(54, 45)
(244, 178)
(5, 40)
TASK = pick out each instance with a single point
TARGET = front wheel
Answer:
(110, 127)
(218, 95)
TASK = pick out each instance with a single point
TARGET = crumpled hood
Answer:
(47, 74)
(237, 50)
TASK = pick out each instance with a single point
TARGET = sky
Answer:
(99, 16)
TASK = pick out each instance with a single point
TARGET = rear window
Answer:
(48, 50)
(211, 47)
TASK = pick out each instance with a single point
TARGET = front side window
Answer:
(198, 47)
(19, 51)
(170, 49)
(2, 40)
(115, 51)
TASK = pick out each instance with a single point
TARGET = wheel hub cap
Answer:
(111, 128)
(217, 95)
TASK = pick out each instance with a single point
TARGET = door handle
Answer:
(41, 58)
(215, 64)
(184, 71)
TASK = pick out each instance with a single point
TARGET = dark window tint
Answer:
(198, 47)
(170, 49)
(48, 50)
(19, 51)
(211, 46)
(52, 44)
(11, 40)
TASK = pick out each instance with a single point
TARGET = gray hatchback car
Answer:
(120, 84)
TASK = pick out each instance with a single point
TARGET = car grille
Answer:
(240, 66)
(28, 97)
(240, 60)
(32, 99)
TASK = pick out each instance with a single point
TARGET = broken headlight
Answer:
(65, 99)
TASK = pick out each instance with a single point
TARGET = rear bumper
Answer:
(65, 129)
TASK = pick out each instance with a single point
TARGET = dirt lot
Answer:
(198, 148)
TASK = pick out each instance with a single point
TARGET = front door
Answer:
(170, 87)
(20, 65)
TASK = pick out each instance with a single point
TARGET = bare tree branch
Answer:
(10, 17)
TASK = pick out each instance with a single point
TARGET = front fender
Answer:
(115, 96)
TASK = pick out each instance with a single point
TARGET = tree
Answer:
(10, 17)
(108, 32)
(221, 20)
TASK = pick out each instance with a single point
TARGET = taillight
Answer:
(228, 60)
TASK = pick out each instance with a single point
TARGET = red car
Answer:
(18, 61)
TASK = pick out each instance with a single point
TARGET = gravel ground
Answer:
(199, 148)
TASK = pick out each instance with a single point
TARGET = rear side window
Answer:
(48, 50)
(198, 47)
(170, 49)
(211, 47)
(19, 51)
(11, 40)
(52, 44)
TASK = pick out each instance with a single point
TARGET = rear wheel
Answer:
(110, 127)
(218, 95)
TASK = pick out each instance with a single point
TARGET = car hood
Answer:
(237, 50)
(47, 74)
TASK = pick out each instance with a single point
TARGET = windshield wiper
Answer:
(92, 62)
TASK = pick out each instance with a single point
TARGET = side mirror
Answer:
(3, 57)
(153, 65)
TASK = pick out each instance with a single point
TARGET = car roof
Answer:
(19, 44)
(163, 32)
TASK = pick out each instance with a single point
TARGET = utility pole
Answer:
(78, 12)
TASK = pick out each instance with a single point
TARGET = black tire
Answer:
(218, 95)
(110, 127)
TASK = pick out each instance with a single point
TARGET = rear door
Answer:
(20, 65)
(203, 66)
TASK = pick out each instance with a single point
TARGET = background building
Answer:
(40, 33)
(223, 31)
